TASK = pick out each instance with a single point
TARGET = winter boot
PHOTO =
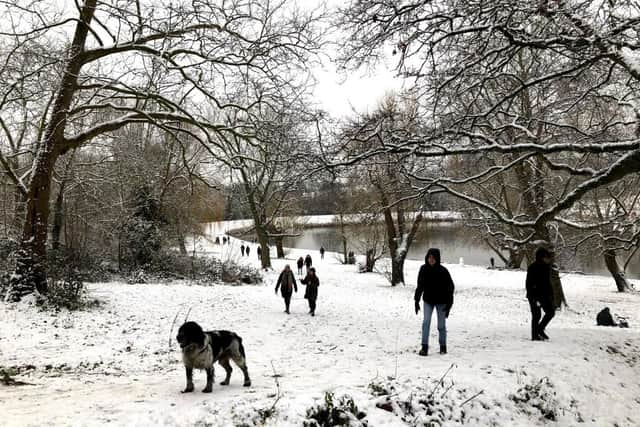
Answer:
(424, 350)
(443, 349)
(543, 335)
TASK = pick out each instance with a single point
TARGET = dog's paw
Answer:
(207, 389)
(224, 383)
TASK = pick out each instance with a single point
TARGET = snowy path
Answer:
(114, 365)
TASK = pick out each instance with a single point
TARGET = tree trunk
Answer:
(279, 247)
(618, 275)
(58, 216)
(263, 239)
(397, 269)
(370, 260)
(30, 271)
(516, 256)
(181, 237)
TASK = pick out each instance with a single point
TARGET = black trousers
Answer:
(287, 301)
(312, 305)
(538, 325)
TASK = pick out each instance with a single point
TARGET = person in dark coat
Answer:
(287, 284)
(311, 293)
(321, 252)
(300, 263)
(247, 250)
(540, 293)
(436, 288)
(259, 250)
(242, 249)
(308, 262)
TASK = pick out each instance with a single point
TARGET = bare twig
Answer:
(439, 383)
(172, 325)
(278, 393)
(472, 397)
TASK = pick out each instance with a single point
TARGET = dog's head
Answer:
(190, 333)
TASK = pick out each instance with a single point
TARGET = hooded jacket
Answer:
(435, 285)
(538, 282)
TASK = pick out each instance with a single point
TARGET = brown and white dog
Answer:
(200, 350)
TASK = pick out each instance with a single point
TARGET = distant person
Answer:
(242, 249)
(311, 293)
(287, 284)
(492, 262)
(540, 294)
(259, 250)
(300, 264)
(217, 240)
(436, 288)
(308, 262)
(321, 252)
(224, 240)
(247, 250)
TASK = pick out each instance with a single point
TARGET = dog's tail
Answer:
(241, 347)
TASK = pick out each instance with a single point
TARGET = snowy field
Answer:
(117, 365)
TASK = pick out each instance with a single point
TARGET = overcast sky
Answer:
(360, 91)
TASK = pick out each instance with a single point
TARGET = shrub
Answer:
(340, 412)
(168, 266)
(537, 397)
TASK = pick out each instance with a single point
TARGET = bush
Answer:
(90, 266)
(537, 397)
(66, 289)
(340, 412)
(168, 266)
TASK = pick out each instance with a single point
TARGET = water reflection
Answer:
(455, 242)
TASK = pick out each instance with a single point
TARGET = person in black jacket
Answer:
(435, 287)
(287, 284)
(311, 293)
(540, 293)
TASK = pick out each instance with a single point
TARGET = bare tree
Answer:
(271, 168)
(538, 88)
(388, 177)
(137, 62)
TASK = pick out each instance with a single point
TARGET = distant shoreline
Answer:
(219, 228)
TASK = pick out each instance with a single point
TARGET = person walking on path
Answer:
(287, 284)
(540, 294)
(247, 250)
(435, 288)
(242, 249)
(308, 262)
(259, 250)
(321, 252)
(300, 263)
(311, 293)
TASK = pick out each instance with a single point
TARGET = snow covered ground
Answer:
(116, 365)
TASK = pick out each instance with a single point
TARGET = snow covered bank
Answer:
(115, 365)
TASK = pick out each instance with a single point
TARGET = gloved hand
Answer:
(447, 309)
(276, 291)
(417, 306)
